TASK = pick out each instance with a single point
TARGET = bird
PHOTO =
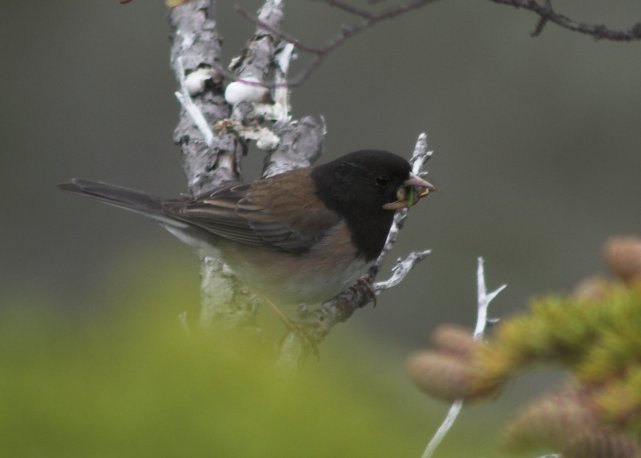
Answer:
(299, 237)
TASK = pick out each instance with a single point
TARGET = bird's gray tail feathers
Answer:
(128, 199)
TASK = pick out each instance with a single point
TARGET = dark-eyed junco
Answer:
(299, 237)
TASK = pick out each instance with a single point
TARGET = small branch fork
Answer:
(317, 322)
(369, 19)
(483, 302)
(547, 14)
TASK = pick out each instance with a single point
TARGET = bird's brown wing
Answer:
(280, 213)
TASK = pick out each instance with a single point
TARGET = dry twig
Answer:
(369, 19)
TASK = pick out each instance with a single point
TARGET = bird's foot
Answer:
(298, 328)
(366, 283)
(301, 330)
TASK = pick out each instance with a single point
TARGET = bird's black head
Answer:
(357, 186)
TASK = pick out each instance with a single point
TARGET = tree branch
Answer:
(347, 32)
(547, 14)
(209, 160)
(544, 11)
(292, 143)
(212, 156)
(196, 45)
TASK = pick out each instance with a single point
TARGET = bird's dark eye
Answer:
(383, 180)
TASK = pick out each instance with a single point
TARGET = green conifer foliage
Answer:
(594, 333)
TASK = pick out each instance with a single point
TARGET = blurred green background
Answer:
(537, 156)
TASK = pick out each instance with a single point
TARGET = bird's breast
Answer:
(315, 276)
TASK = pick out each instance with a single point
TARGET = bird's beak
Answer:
(410, 192)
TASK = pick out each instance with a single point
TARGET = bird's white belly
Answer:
(300, 280)
(285, 278)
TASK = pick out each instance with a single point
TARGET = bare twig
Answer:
(544, 11)
(542, 21)
(347, 32)
(483, 301)
(597, 31)
(452, 415)
(190, 107)
(284, 56)
(400, 270)
(420, 155)
(348, 8)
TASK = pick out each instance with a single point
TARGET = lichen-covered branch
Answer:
(289, 143)
(216, 123)
(420, 155)
(209, 160)
(196, 45)
(400, 270)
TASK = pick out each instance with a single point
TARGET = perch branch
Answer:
(483, 302)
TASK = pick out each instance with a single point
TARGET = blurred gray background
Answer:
(537, 143)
